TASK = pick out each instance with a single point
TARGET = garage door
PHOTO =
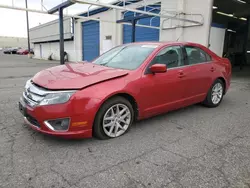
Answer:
(90, 40)
(142, 33)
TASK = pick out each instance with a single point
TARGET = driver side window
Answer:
(170, 56)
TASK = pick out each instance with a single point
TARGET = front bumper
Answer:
(70, 134)
(80, 124)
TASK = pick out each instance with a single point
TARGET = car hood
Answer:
(75, 76)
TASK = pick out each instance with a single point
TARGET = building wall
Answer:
(44, 50)
(106, 28)
(6, 42)
(50, 31)
(77, 43)
(217, 38)
(36, 51)
(171, 34)
(199, 34)
(110, 29)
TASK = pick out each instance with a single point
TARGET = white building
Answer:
(85, 40)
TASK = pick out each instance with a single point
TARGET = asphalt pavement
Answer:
(192, 147)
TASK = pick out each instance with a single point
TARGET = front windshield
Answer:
(125, 57)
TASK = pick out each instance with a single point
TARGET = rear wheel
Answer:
(215, 94)
(113, 119)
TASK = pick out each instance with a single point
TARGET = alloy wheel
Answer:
(217, 93)
(116, 120)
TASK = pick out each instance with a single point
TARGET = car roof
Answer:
(164, 43)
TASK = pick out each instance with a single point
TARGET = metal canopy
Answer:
(61, 6)
(85, 18)
(162, 14)
(184, 20)
(165, 15)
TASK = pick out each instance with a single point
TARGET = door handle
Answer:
(212, 69)
(181, 74)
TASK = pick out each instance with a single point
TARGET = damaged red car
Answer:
(130, 82)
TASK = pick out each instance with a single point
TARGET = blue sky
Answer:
(13, 22)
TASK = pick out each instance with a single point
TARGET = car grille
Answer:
(33, 121)
(33, 94)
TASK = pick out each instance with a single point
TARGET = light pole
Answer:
(27, 20)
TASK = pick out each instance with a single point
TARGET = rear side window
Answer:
(196, 55)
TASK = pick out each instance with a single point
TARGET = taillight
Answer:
(228, 66)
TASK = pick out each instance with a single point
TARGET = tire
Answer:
(209, 102)
(105, 112)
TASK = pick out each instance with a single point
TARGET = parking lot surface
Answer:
(191, 147)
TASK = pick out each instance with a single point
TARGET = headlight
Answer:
(28, 84)
(56, 98)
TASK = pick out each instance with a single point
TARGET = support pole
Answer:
(60, 8)
(27, 20)
(247, 35)
(61, 36)
(133, 29)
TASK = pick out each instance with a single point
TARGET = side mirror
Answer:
(158, 68)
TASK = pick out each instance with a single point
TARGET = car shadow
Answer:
(137, 126)
(169, 114)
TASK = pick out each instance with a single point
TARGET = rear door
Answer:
(199, 74)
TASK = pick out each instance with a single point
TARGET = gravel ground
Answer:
(191, 147)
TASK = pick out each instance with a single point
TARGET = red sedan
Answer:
(130, 82)
(22, 52)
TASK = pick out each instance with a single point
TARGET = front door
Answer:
(164, 91)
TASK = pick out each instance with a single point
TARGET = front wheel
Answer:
(113, 119)
(215, 94)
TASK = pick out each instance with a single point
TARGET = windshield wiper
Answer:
(103, 64)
